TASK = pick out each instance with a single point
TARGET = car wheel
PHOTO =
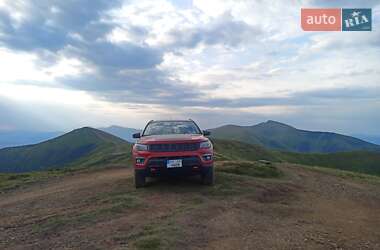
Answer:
(139, 178)
(208, 176)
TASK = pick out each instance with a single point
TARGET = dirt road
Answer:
(304, 209)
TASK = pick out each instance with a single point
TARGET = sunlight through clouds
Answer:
(127, 60)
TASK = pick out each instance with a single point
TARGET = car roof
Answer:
(171, 121)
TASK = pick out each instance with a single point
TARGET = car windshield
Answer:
(171, 127)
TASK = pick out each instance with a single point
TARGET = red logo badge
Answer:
(321, 19)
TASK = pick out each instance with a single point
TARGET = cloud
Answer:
(343, 3)
(106, 55)
(300, 99)
(48, 24)
(121, 70)
(75, 28)
(247, 60)
(224, 30)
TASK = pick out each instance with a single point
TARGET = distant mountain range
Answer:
(278, 136)
(369, 138)
(270, 140)
(18, 138)
(24, 137)
(79, 148)
(122, 132)
(88, 147)
(271, 134)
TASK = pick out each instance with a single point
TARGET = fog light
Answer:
(140, 160)
(207, 157)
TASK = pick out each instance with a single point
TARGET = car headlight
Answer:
(141, 147)
(205, 144)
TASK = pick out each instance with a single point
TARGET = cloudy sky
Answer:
(65, 64)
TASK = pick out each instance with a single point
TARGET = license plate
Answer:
(177, 163)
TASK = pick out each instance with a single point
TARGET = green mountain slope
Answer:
(279, 136)
(88, 147)
(80, 147)
(357, 161)
(235, 150)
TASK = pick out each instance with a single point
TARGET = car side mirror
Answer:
(136, 135)
(206, 132)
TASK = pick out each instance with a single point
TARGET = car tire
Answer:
(208, 176)
(139, 178)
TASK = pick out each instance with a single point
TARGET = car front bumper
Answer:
(191, 165)
(155, 164)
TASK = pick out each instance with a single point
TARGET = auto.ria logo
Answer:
(336, 19)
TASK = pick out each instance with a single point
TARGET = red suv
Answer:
(175, 147)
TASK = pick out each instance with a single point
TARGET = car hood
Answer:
(182, 138)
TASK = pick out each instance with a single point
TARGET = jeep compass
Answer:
(171, 148)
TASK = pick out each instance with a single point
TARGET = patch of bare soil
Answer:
(304, 209)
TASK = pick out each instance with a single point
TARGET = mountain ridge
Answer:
(89, 147)
(82, 146)
(25, 137)
(280, 136)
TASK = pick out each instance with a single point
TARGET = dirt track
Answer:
(305, 209)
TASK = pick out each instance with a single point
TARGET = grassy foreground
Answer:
(102, 209)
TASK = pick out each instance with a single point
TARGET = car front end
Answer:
(173, 155)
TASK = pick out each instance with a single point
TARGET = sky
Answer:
(73, 63)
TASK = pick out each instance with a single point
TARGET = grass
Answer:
(106, 205)
(149, 243)
(9, 181)
(345, 174)
(12, 181)
(227, 184)
(365, 162)
(162, 233)
(235, 150)
(233, 178)
(249, 168)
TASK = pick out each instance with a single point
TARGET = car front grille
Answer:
(173, 147)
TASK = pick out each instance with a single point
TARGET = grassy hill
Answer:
(88, 147)
(79, 148)
(358, 161)
(235, 150)
(279, 136)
